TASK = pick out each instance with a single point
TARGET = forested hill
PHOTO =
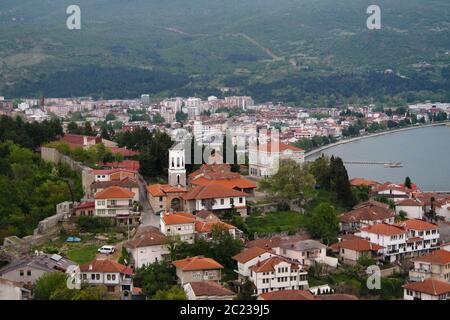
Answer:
(303, 51)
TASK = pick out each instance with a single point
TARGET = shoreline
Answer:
(377, 134)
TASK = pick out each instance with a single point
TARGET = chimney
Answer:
(90, 267)
(85, 140)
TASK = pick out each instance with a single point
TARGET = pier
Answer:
(382, 163)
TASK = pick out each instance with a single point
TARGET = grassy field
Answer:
(82, 253)
(276, 222)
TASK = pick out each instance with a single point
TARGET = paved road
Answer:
(148, 216)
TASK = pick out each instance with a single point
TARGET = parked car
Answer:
(107, 249)
(73, 239)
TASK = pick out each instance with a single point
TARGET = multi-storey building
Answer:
(408, 239)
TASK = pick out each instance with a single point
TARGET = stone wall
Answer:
(54, 156)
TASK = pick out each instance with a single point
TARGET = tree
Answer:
(173, 293)
(73, 128)
(180, 116)
(155, 277)
(402, 216)
(320, 169)
(323, 223)
(408, 183)
(48, 283)
(247, 291)
(292, 182)
(340, 183)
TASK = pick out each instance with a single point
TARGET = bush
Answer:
(94, 224)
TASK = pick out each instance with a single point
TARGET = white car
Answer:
(107, 250)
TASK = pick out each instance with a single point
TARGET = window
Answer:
(108, 277)
(97, 276)
(231, 200)
(160, 198)
(29, 273)
(113, 277)
(241, 200)
(21, 273)
(92, 276)
(100, 202)
(222, 201)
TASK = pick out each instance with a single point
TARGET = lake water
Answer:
(424, 153)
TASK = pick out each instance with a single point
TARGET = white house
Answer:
(116, 277)
(429, 289)
(276, 273)
(180, 224)
(216, 198)
(264, 159)
(148, 246)
(409, 239)
(435, 265)
(248, 258)
(413, 208)
(116, 202)
(11, 290)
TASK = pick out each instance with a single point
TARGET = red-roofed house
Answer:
(164, 197)
(351, 250)
(277, 273)
(197, 269)
(429, 289)
(435, 265)
(178, 224)
(264, 159)
(116, 202)
(409, 238)
(77, 140)
(216, 198)
(413, 208)
(115, 276)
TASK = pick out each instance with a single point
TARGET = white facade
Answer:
(265, 163)
(113, 207)
(186, 231)
(283, 278)
(412, 212)
(144, 256)
(177, 169)
(244, 268)
(222, 203)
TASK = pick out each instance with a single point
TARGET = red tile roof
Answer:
(105, 266)
(441, 257)
(212, 191)
(85, 205)
(359, 245)
(360, 182)
(178, 218)
(280, 148)
(368, 211)
(207, 227)
(249, 254)
(420, 225)
(114, 193)
(151, 236)
(384, 229)
(197, 263)
(229, 183)
(210, 289)
(429, 286)
(160, 190)
(269, 264)
(410, 203)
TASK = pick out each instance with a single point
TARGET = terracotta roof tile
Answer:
(209, 289)
(440, 257)
(359, 245)
(114, 193)
(249, 254)
(420, 225)
(212, 191)
(384, 229)
(178, 218)
(105, 266)
(197, 263)
(430, 286)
